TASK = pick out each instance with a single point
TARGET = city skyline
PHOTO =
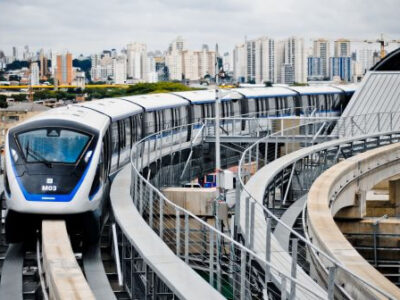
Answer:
(59, 25)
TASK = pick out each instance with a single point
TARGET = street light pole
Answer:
(217, 121)
(217, 142)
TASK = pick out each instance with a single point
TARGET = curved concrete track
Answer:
(336, 189)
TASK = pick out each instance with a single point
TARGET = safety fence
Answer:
(291, 177)
(229, 266)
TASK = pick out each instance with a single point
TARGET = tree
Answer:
(3, 101)
(16, 65)
(19, 97)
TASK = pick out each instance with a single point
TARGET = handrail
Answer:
(242, 161)
(220, 235)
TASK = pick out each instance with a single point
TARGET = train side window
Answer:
(122, 142)
(114, 138)
(128, 136)
(155, 123)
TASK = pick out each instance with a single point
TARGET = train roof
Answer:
(115, 108)
(348, 88)
(73, 113)
(266, 92)
(206, 96)
(154, 102)
(316, 89)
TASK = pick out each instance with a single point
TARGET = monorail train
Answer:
(58, 164)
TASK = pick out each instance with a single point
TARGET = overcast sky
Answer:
(87, 26)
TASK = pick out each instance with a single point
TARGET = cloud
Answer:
(87, 26)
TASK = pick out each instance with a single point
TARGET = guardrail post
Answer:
(178, 232)
(283, 288)
(268, 252)
(242, 274)
(141, 196)
(246, 221)
(251, 245)
(151, 208)
(237, 209)
(293, 270)
(331, 282)
(161, 218)
(211, 262)
(257, 157)
(186, 238)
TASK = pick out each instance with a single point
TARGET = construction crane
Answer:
(382, 41)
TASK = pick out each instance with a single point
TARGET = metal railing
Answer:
(311, 164)
(232, 268)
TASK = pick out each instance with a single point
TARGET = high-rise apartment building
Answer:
(27, 55)
(34, 76)
(342, 48)
(322, 50)
(314, 68)
(260, 60)
(137, 67)
(177, 45)
(119, 69)
(240, 63)
(190, 65)
(291, 52)
(365, 58)
(341, 67)
(64, 69)
(206, 62)
(174, 63)
(44, 71)
(14, 53)
(227, 62)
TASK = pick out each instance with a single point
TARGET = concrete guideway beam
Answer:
(342, 186)
(64, 277)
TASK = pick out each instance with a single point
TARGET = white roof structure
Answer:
(348, 88)
(206, 96)
(379, 92)
(115, 108)
(154, 102)
(266, 92)
(317, 89)
(73, 113)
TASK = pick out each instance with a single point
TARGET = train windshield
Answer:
(53, 145)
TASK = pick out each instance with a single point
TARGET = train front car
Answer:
(55, 168)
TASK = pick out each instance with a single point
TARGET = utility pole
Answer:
(217, 141)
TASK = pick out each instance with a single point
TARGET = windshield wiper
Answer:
(37, 156)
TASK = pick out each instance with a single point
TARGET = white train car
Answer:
(59, 163)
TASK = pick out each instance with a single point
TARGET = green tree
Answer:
(19, 97)
(3, 101)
